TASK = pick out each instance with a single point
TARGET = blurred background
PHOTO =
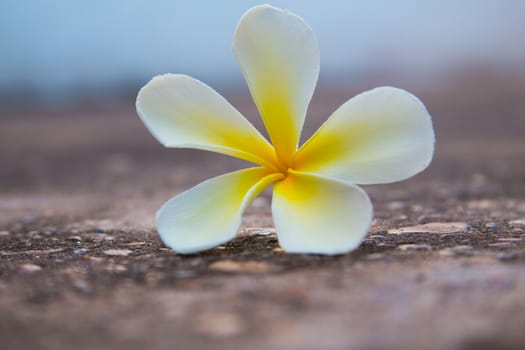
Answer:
(60, 51)
(70, 71)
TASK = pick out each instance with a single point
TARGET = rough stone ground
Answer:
(81, 266)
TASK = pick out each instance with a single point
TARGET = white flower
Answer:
(380, 136)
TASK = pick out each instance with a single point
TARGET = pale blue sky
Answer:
(59, 46)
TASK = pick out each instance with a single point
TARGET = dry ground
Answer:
(81, 266)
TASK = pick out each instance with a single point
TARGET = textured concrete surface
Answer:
(81, 265)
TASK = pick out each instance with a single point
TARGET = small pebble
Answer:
(414, 247)
(510, 239)
(80, 251)
(74, 238)
(492, 225)
(260, 231)
(4, 233)
(517, 222)
(30, 268)
(100, 230)
(378, 237)
(432, 227)
(117, 252)
(502, 245)
(386, 245)
(241, 266)
(263, 233)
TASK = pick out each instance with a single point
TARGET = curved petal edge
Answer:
(313, 214)
(181, 111)
(380, 136)
(209, 214)
(279, 58)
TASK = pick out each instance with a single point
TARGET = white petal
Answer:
(184, 112)
(380, 136)
(210, 213)
(279, 59)
(319, 215)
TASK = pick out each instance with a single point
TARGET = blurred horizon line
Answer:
(60, 52)
(432, 80)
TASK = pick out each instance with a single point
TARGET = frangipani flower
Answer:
(380, 136)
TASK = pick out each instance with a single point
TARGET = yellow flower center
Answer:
(280, 166)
